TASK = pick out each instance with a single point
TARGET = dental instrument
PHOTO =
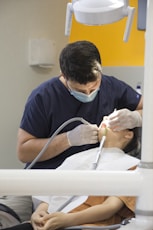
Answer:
(99, 152)
(98, 155)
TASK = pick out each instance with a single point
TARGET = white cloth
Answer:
(110, 159)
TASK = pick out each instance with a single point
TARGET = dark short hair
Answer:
(78, 60)
(134, 144)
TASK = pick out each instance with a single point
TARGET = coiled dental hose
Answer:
(53, 135)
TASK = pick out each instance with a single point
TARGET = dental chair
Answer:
(109, 227)
(14, 210)
(8, 217)
(137, 151)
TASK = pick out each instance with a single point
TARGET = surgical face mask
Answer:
(84, 97)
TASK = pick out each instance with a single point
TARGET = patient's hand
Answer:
(54, 221)
(37, 219)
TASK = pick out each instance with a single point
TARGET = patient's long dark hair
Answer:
(134, 144)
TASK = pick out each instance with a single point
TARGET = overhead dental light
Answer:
(99, 12)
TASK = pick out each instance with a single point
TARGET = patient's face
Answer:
(110, 134)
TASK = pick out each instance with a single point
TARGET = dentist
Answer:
(81, 90)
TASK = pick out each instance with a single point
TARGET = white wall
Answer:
(132, 75)
(21, 20)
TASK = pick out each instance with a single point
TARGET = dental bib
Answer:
(112, 159)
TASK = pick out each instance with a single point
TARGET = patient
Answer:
(96, 210)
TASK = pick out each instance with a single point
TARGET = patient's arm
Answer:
(90, 215)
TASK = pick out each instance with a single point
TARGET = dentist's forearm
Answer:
(28, 148)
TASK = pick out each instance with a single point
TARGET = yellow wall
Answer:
(109, 40)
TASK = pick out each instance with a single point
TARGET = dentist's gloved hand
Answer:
(124, 119)
(82, 135)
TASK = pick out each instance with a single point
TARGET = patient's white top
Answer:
(110, 159)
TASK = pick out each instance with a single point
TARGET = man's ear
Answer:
(65, 78)
(129, 134)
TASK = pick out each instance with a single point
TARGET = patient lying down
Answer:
(92, 210)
